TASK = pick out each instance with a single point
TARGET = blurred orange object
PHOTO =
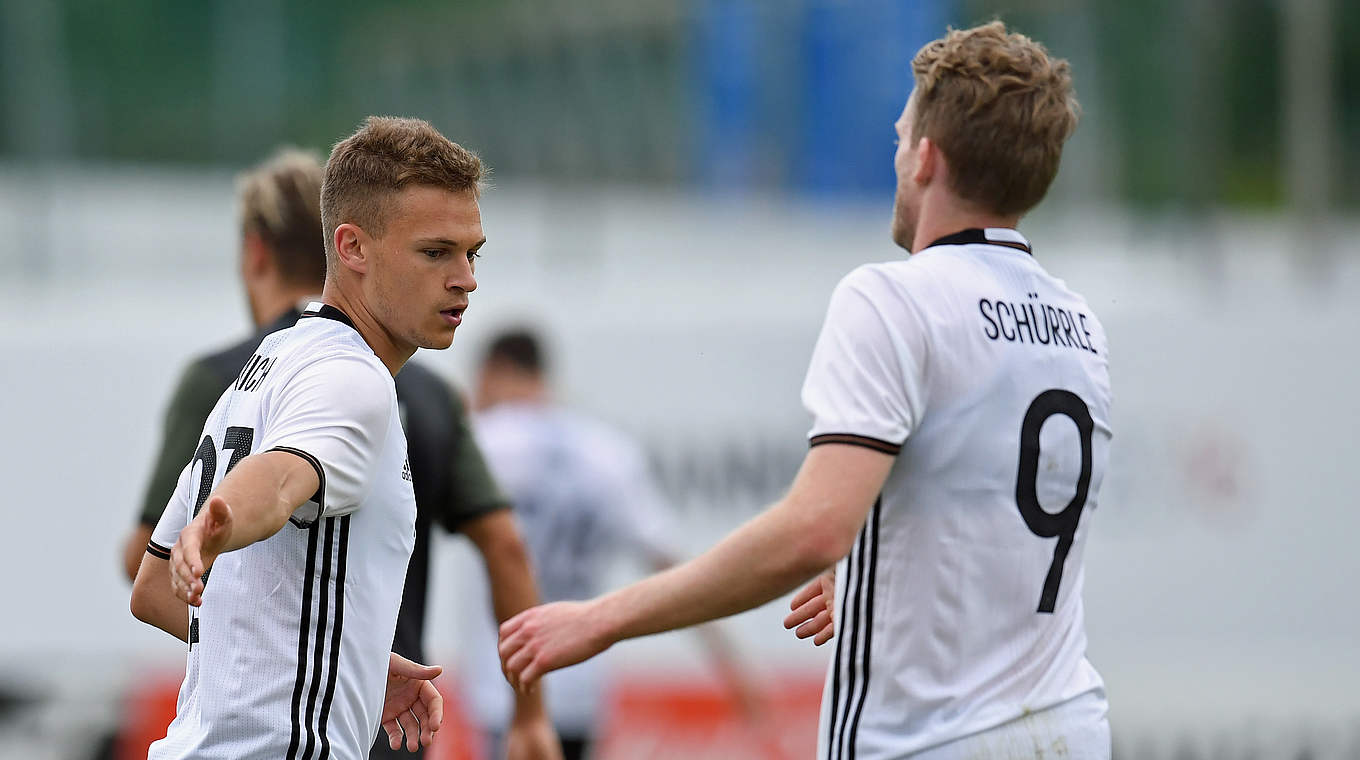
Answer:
(458, 738)
(663, 718)
(647, 716)
(150, 706)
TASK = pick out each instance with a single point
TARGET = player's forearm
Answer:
(263, 491)
(802, 535)
(154, 603)
(719, 647)
(173, 621)
(508, 569)
(765, 558)
(511, 579)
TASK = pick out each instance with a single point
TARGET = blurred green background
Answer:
(1187, 103)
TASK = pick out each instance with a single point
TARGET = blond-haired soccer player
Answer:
(960, 403)
(290, 531)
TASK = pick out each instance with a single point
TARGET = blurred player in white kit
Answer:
(961, 428)
(584, 496)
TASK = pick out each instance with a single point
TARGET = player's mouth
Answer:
(453, 316)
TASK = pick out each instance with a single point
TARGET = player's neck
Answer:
(266, 309)
(392, 353)
(942, 215)
(269, 298)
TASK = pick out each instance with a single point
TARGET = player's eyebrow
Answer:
(447, 243)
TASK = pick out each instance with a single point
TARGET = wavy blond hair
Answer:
(999, 108)
(280, 202)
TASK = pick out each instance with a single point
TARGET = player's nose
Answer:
(462, 278)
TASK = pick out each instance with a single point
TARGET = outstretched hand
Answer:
(814, 609)
(548, 637)
(412, 706)
(198, 546)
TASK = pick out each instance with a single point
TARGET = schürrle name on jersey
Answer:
(1035, 322)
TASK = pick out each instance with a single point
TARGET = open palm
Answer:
(412, 705)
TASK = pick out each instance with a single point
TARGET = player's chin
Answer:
(902, 233)
(437, 339)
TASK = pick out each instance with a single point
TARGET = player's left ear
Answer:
(352, 247)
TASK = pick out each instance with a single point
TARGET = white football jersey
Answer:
(959, 607)
(288, 653)
(583, 496)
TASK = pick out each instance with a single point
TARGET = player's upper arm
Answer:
(833, 493)
(336, 414)
(192, 401)
(866, 381)
(473, 491)
(153, 601)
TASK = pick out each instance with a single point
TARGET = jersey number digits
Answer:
(238, 439)
(1044, 524)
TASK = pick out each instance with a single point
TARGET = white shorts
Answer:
(1074, 730)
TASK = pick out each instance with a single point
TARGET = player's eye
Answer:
(433, 253)
(473, 256)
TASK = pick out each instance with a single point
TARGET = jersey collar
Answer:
(1003, 236)
(326, 311)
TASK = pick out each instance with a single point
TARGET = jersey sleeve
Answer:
(865, 383)
(193, 400)
(173, 517)
(335, 413)
(473, 491)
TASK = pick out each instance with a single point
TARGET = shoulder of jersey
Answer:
(898, 274)
(310, 343)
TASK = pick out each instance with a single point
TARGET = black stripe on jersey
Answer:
(836, 663)
(337, 634)
(329, 312)
(304, 629)
(856, 440)
(156, 550)
(978, 236)
(320, 496)
(868, 621)
(853, 632)
(318, 657)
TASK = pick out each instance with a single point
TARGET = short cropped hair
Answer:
(280, 202)
(519, 348)
(385, 156)
(1000, 109)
